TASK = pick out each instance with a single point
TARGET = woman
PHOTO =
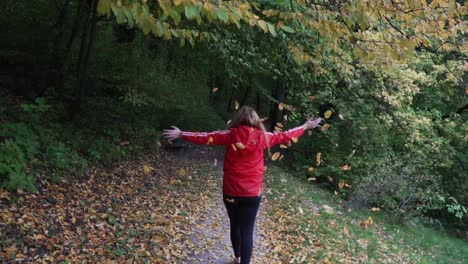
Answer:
(245, 139)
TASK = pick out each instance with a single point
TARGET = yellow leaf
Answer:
(147, 169)
(182, 172)
(215, 89)
(236, 105)
(309, 132)
(178, 2)
(283, 146)
(341, 116)
(318, 158)
(325, 127)
(345, 167)
(327, 114)
(210, 140)
(281, 157)
(275, 156)
(279, 125)
(281, 106)
(310, 169)
(300, 210)
(341, 184)
(312, 98)
(239, 145)
(295, 139)
(375, 209)
(311, 179)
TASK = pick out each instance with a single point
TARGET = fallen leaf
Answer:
(182, 171)
(318, 158)
(366, 224)
(346, 230)
(147, 169)
(312, 179)
(300, 210)
(327, 114)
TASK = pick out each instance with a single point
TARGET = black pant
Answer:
(242, 212)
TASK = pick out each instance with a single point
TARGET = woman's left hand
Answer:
(171, 134)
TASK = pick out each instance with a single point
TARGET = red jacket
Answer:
(243, 160)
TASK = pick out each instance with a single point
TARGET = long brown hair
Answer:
(247, 116)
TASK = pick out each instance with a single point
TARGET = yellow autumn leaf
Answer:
(236, 104)
(309, 132)
(215, 89)
(281, 106)
(311, 179)
(182, 172)
(239, 145)
(234, 147)
(310, 169)
(318, 158)
(210, 140)
(341, 184)
(327, 114)
(275, 156)
(283, 146)
(147, 169)
(279, 124)
(295, 139)
(325, 127)
(375, 209)
(345, 167)
(300, 210)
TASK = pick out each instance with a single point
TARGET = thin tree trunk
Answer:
(278, 95)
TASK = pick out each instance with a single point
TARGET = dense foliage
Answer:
(88, 82)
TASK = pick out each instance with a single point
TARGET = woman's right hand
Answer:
(171, 134)
(312, 123)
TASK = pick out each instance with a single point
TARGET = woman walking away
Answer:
(245, 139)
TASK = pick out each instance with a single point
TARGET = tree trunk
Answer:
(275, 113)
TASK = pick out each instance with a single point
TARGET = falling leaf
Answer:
(346, 230)
(363, 129)
(375, 209)
(210, 140)
(345, 167)
(215, 162)
(295, 139)
(311, 179)
(330, 179)
(312, 98)
(239, 145)
(263, 119)
(124, 143)
(279, 124)
(281, 106)
(283, 146)
(215, 89)
(328, 114)
(236, 106)
(147, 169)
(309, 132)
(336, 193)
(234, 147)
(229, 121)
(325, 127)
(310, 169)
(290, 108)
(318, 158)
(341, 184)
(285, 117)
(275, 156)
(341, 116)
(182, 172)
(281, 157)
(347, 185)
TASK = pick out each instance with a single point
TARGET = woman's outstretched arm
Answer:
(204, 138)
(285, 137)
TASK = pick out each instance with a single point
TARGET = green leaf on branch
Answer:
(272, 30)
(222, 15)
(103, 7)
(287, 29)
(191, 11)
